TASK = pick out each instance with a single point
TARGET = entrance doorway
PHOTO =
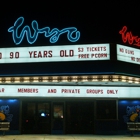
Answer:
(58, 118)
(36, 118)
(80, 117)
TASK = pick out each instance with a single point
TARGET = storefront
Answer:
(76, 89)
(93, 114)
(67, 89)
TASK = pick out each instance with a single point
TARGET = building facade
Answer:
(70, 89)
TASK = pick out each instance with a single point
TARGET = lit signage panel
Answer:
(68, 91)
(128, 54)
(55, 53)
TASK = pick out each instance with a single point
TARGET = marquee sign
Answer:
(54, 34)
(55, 53)
(68, 91)
(128, 54)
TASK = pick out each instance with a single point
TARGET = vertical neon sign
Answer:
(53, 34)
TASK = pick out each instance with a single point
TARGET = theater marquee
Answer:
(68, 91)
(55, 53)
(128, 54)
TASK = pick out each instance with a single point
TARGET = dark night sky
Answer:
(98, 22)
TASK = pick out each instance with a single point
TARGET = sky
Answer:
(97, 21)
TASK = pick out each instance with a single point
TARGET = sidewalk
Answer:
(69, 137)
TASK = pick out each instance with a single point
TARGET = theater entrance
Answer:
(80, 117)
(36, 117)
(57, 117)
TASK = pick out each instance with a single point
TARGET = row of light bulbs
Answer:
(85, 78)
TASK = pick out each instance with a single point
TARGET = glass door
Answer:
(58, 118)
(43, 122)
(36, 118)
(28, 118)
